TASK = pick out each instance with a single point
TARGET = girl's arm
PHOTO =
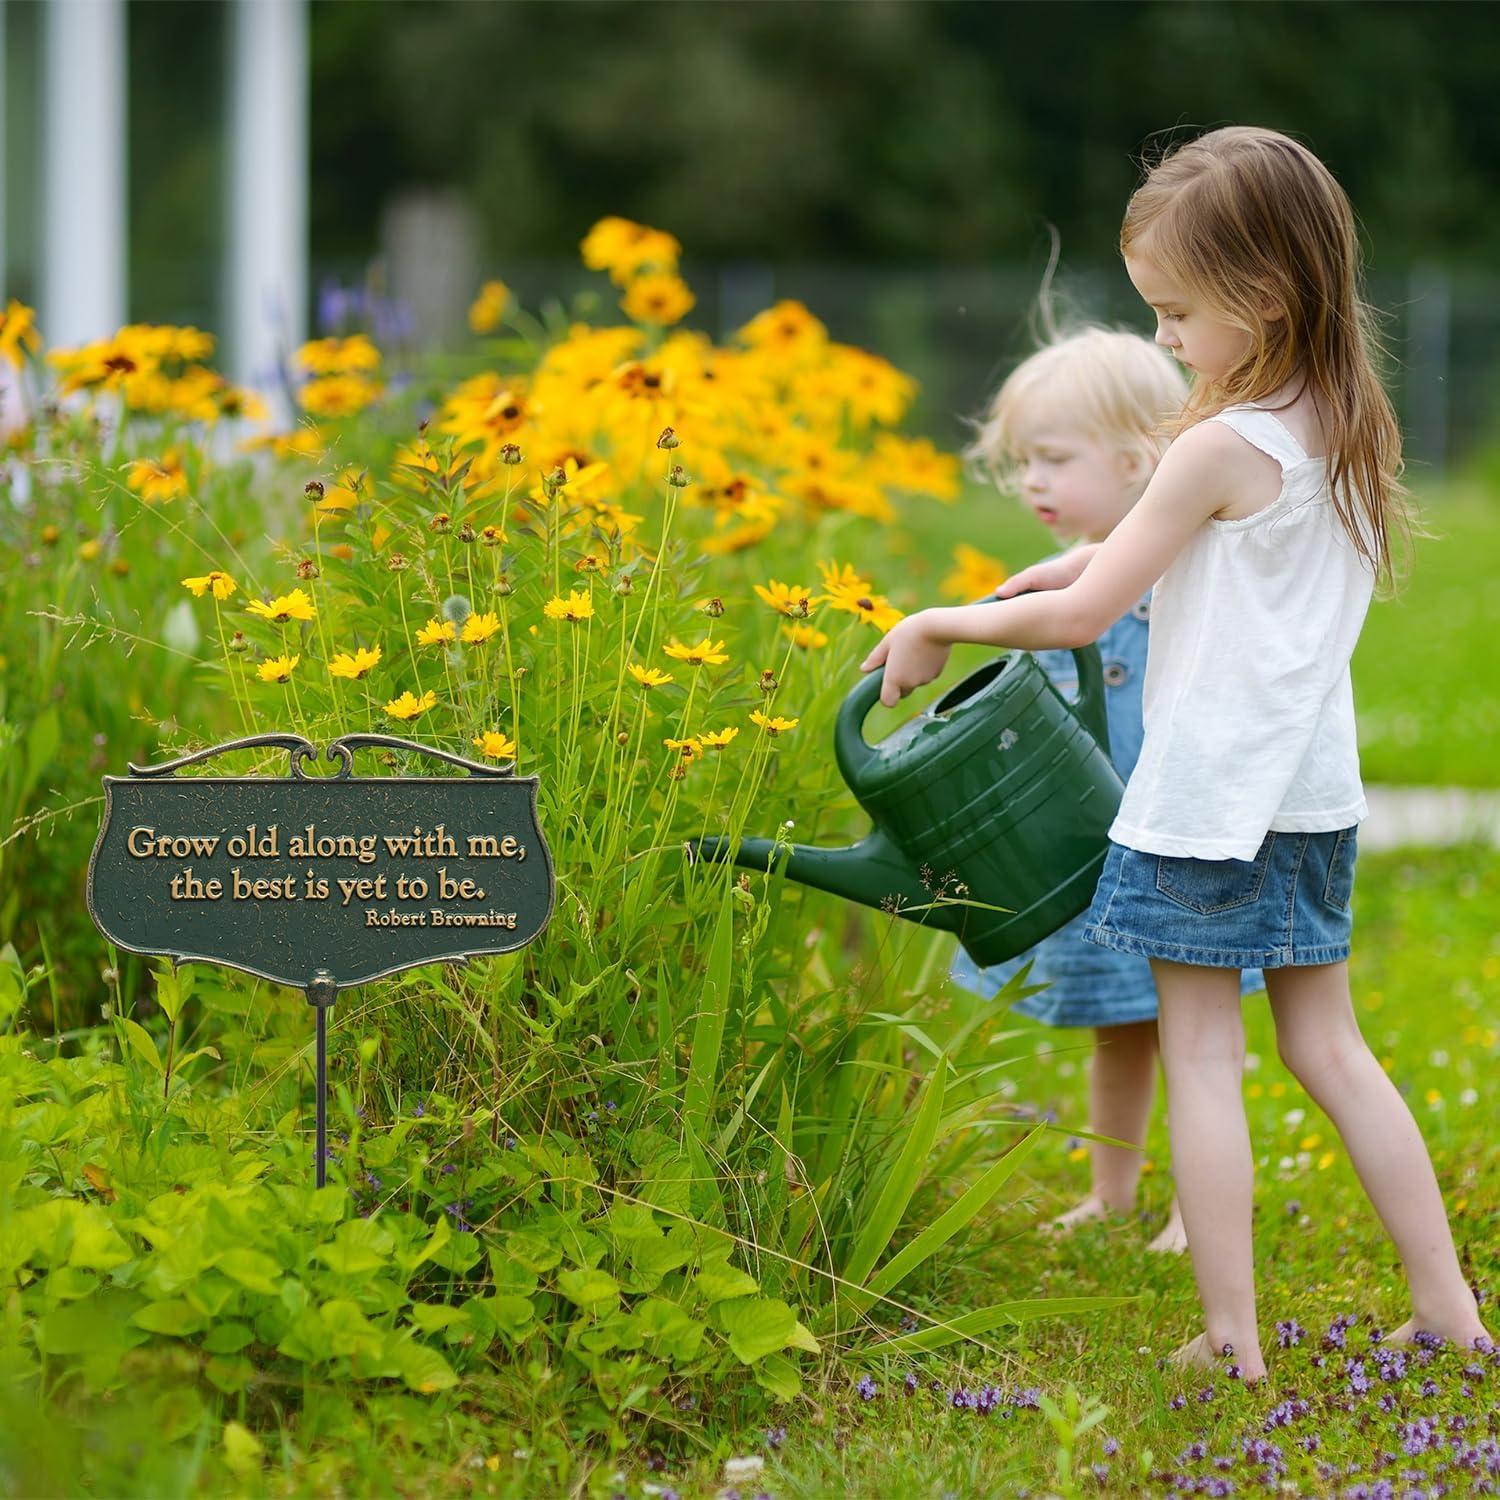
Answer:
(1055, 573)
(1200, 473)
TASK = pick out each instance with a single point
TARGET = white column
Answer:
(267, 187)
(83, 170)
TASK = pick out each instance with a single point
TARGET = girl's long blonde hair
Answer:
(1246, 218)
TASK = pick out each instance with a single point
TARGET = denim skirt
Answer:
(1288, 905)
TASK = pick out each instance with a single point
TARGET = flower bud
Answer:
(49, 535)
(504, 587)
(492, 536)
(713, 608)
(623, 585)
(441, 523)
(510, 453)
(119, 566)
(466, 533)
(553, 483)
(668, 439)
(307, 569)
(237, 641)
(398, 562)
(622, 738)
(678, 477)
(313, 489)
(767, 682)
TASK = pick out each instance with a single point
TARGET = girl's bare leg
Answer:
(1319, 1040)
(1122, 1080)
(1203, 1053)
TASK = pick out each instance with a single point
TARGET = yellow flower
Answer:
(915, 464)
(787, 329)
(787, 598)
(89, 550)
(277, 668)
(875, 608)
(436, 631)
(221, 583)
(773, 726)
(649, 677)
(495, 745)
(18, 332)
(338, 395)
(976, 574)
(158, 478)
(479, 628)
(577, 606)
(356, 666)
(407, 706)
(842, 576)
(717, 739)
(335, 356)
(658, 297)
(623, 248)
(489, 307)
(804, 635)
(293, 606)
(705, 652)
(689, 747)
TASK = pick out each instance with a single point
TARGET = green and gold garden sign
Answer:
(321, 882)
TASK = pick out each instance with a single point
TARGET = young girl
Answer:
(1074, 428)
(1264, 528)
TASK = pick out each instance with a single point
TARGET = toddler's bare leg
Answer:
(1122, 1078)
(1203, 1053)
(1319, 1040)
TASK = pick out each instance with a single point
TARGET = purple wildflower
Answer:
(1290, 1333)
(910, 1383)
(775, 1436)
(1111, 1447)
(867, 1389)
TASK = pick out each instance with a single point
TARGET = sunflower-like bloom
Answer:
(774, 725)
(495, 745)
(436, 631)
(277, 668)
(356, 666)
(649, 677)
(787, 598)
(293, 606)
(659, 297)
(221, 583)
(706, 652)
(717, 739)
(578, 606)
(408, 705)
(156, 479)
(479, 628)
(489, 307)
(625, 248)
(18, 333)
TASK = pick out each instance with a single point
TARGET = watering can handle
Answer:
(1089, 705)
(850, 748)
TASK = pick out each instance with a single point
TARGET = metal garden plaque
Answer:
(320, 882)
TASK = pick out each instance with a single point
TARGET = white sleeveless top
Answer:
(1248, 704)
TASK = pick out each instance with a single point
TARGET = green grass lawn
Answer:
(1426, 973)
(1425, 685)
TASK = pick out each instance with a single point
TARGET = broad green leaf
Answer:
(756, 1326)
(242, 1449)
(593, 1289)
(901, 1182)
(777, 1374)
(176, 1412)
(718, 1283)
(423, 1369)
(174, 1317)
(358, 1247)
(228, 1338)
(251, 1269)
(431, 1317)
(140, 1039)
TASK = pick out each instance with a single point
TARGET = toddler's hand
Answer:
(1056, 573)
(910, 657)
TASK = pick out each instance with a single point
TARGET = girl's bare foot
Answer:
(1173, 1238)
(1091, 1209)
(1198, 1353)
(1459, 1330)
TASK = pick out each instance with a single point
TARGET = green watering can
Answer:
(1001, 786)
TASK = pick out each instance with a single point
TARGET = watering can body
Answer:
(1000, 794)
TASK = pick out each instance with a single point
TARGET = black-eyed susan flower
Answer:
(578, 606)
(874, 608)
(774, 724)
(649, 677)
(717, 739)
(221, 584)
(788, 329)
(806, 636)
(18, 333)
(786, 598)
(336, 356)
(355, 665)
(489, 306)
(689, 748)
(277, 668)
(495, 745)
(659, 298)
(293, 606)
(338, 395)
(155, 479)
(479, 628)
(625, 248)
(975, 574)
(705, 653)
(492, 536)
(436, 631)
(408, 705)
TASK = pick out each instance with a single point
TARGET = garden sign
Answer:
(321, 882)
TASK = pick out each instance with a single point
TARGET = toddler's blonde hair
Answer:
(1108, 384)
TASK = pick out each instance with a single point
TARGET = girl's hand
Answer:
(910, 656)
(1058, 573)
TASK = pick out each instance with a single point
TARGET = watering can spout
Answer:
(872, 872)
